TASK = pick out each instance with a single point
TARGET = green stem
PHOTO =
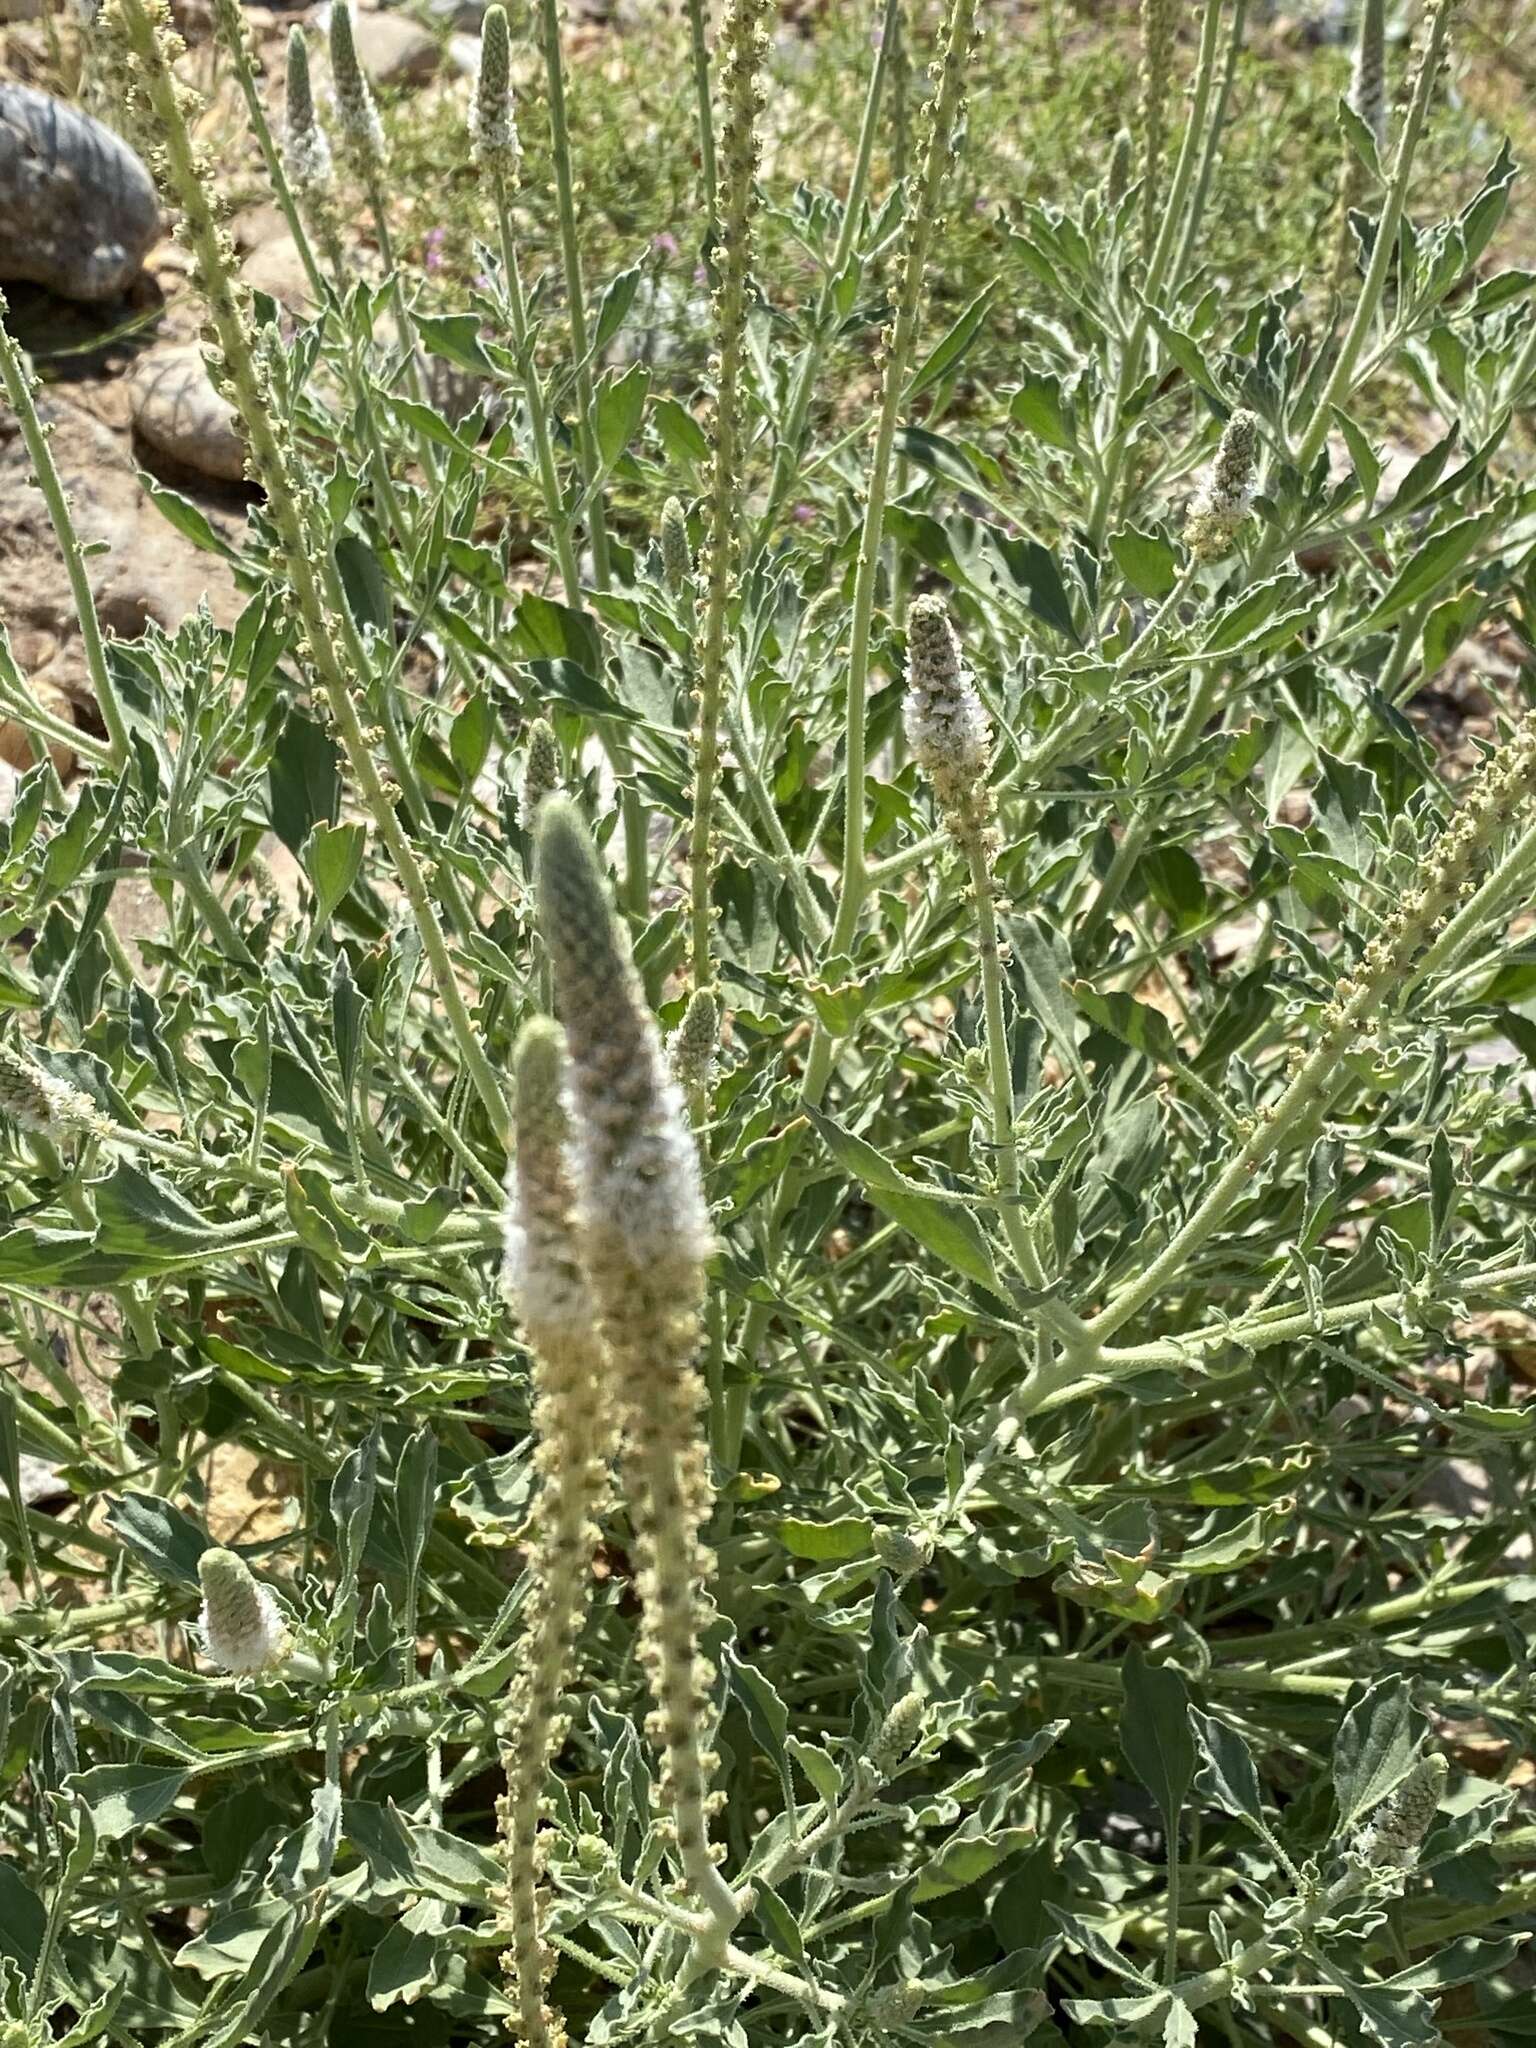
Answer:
(570, 257)
(533, 398)
(1157, 271)
(699, 53)
(792, 438)
(315, 580)
(19, 387)
(1384, 249)
(1210, 148)
(734, 207)
(1000, 1068)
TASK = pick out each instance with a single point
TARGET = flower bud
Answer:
(693, 1044)
(676, 552)
(492, 124)
(1117, 179)
(898, 1733)
(541, 768)
(357, 117)
(242, 1628)
(946, 722)
(306, 152)
(1222, 503)
(1398, 1827)
(39, 1102)
(643, 1213)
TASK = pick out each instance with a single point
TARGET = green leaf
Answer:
(827, 1542)
(160, 1536)
(1227, 1774)
(953, 345)
(619, 406)
(1431, 563)
(543, 629)
(470, 736)
(125, 1797)
(819, 1768)
(362, 579)
(1155, 1733)
(949, 1231)
(189, 521)
(456, 338)
(333, 860)
(1375, 1748)
(1148, 563)
(1039, 407)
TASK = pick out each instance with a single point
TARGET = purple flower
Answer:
(664, 244)
(805, 513)
(432, 249)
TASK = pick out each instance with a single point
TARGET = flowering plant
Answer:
(834, 1074)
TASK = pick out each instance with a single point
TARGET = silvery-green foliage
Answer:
(999, 1474)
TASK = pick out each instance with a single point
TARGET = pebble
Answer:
(179, 414)
(78, 213)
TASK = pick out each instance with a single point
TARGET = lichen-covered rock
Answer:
(78, 213)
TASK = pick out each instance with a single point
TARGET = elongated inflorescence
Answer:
(306, 149)
(1223, 502)
(676, 552)
(694, 1044)
(645, 1238)
(1392, 1836)
(492, 123)
(541, 768)
(242, 1627)
(574, 1421)
(357, 117)
(946, 722)
(1368, 82)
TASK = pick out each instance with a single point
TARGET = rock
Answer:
(21, 10)
(40, 1481)
(464, 55)
(394, 50)
(78, 212)
(145, 570)
(468, 16)
(277, 268)
(177, 410)
(254, 226)
(17, 753)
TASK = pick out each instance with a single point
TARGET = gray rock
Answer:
(177, 410)
(40, 1482)
(468, 16)
(394, 50)
(78, 213)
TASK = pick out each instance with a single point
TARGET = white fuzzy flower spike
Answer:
(243, 1630)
